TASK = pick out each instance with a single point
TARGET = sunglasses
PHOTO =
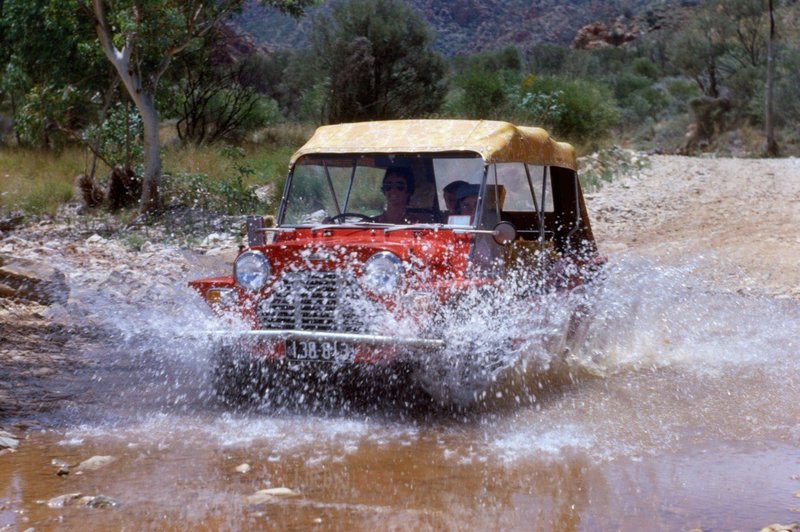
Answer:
(399, 185)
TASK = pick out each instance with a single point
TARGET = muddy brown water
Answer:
(684, 414)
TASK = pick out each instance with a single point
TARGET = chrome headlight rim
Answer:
(381, 273)
(251, 270)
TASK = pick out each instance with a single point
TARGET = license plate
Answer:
(320, 351)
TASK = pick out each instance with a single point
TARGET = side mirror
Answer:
(255, 234)
(504, 233)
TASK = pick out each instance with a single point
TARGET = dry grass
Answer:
(38, 181)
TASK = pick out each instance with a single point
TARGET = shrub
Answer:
(787, 89)
(547, 59)
(483, 94)
(642, 66)
(589, 111)
(379, 58)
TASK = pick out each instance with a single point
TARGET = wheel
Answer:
(344, 215)
(238, 377)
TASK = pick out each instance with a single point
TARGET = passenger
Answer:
(450, 193)
(398, 187)
(467, 201)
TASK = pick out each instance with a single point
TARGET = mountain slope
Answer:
(470, 26)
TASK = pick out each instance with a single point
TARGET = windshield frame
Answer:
(353, 158)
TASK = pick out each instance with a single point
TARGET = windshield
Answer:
(396, 189)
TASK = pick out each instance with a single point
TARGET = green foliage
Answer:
(214, 102)
(746, 87)
(378, 57)
(312, 104)
(638, 98)
(507, 59)
(225, 179)
(200, 191)
(50, 69)
(120, 136)
(787, 90)
(48, 114)
(644, 67)
(530, 106)
(483, 94)
(587, 110)
(548, 59)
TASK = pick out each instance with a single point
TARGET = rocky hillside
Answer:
(470, 26)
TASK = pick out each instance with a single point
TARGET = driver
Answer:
(398, 187)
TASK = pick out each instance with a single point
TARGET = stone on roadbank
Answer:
(95, 462)
(793, 527)
(98, 501)
(32, 281)
(271, 495)
(243, 468)
(63, 500)
(79, 499)
(8, 441)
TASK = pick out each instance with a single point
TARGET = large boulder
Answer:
(31, 280)
(601, 35)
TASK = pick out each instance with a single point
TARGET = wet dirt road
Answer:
(682, 413)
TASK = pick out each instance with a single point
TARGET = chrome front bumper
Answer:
(372, 340)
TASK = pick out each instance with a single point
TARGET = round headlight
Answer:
(251, 270)
(382, 273)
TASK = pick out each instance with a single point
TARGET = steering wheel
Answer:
(344, 215)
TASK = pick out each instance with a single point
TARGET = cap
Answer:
(468, 190)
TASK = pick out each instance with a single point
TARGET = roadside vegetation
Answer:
(229, 115)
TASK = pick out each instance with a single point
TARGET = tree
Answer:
(772, 144)
(141, 38)
(378, 57)
(50, 70)
(698, 50)
(216, 94)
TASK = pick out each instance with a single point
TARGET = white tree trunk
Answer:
(144, 101)
(152, 153)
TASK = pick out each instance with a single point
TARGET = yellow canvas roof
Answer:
(494, 141)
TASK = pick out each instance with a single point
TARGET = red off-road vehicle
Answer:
(392, 240)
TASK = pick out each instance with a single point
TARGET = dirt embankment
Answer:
(740, 216)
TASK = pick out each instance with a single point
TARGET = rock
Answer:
(95, 239)
(6, 291)
(11, 221)
(214, 239)
(8, 441)
(243, 468)
(95, 462)
(793, 527)
(98, 501)
(265, 193)
(271, 495)
(599, 35)
(32, 281)
(63, 467)
(63, 500)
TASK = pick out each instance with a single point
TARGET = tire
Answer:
(238, 378)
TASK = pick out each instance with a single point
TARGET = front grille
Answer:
(311, 301)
